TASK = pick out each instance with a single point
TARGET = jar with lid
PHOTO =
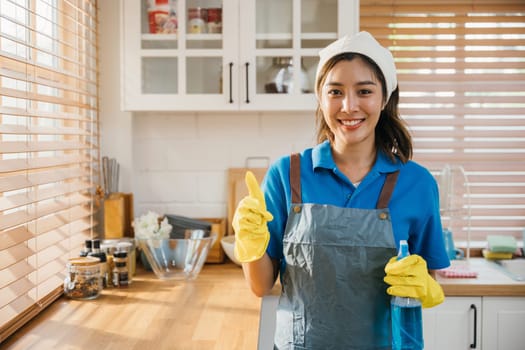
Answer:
(109, 247)
(83, 280)
(128, 246)
(279, 77)
(97, 253)
(120, 269)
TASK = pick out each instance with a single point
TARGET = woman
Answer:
(331, 218)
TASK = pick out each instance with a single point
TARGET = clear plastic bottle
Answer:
(407, 321)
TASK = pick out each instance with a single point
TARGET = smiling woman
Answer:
(48, 148)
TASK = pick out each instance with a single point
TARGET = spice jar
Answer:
(128, 246)
(97, 253)
(120, 269)
(83, 280)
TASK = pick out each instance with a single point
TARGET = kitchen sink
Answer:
(514, 268)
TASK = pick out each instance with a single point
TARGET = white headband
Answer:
(364, 44)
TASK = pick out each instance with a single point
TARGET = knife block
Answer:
(118, 215)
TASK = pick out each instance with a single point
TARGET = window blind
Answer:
(461, 67)
(49, 148)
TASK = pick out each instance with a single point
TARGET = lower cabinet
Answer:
(488, 323)
(503, 320)
(459, 323)
(453, 325)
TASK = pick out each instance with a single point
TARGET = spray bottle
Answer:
(407, 321)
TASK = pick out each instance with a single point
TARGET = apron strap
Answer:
(295, 183)
(295, 177)
(386, 192)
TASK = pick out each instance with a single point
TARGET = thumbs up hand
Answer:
(249, 223)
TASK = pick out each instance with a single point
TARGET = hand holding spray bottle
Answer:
(407, 321)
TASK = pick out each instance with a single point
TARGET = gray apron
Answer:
(333, 293)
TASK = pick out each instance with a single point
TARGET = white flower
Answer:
(149, 226)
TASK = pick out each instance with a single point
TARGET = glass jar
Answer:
(83, 280)
(122, 244)
(120, 270)
(279, 77)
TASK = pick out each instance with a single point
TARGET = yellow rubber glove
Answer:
(249, 223)
(409, 277)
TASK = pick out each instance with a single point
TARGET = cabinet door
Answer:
(264, 57)
(453, 325)
(185, 66)
(279, 49)
(503, 319)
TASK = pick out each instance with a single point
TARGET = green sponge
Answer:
(502, 244)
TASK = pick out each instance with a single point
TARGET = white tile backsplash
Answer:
(181, 160)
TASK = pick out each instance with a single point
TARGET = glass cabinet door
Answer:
(227, 54)
(182, 36)
(176, 61)
(287, 36)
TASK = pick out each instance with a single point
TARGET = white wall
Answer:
(176, 162)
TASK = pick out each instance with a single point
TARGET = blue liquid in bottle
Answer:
(407, 320)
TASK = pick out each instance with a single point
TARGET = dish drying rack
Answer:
(454, 199)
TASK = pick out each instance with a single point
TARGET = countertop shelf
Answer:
(490, 281)
(215, 311)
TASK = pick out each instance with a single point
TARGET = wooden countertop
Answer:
(491, 281)
(215, 311)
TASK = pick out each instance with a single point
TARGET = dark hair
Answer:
(391, 134)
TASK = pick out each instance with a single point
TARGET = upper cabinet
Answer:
(204, 55)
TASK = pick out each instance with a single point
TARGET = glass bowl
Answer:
(176, 258)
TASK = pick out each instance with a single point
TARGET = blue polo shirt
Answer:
(414, 205)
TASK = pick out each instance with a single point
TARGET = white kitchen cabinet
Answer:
(503, 320)
(229, 70)
(459, 323)
(453, 325)
(488, 323)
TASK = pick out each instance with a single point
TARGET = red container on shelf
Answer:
(162, 16)
(214, 20)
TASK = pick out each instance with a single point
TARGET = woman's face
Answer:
(351, 100)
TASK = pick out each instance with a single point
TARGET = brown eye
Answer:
(336, 92)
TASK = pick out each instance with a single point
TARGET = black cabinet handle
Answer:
(231, 93)
(473, 307)
(247, 92)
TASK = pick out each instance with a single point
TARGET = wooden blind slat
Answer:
(40, 130)
(42, 209)
(48, 148)
(13, 165)
(18, 200)
(41, 146)
(14, 236)
(32, 113)
(17, 181)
